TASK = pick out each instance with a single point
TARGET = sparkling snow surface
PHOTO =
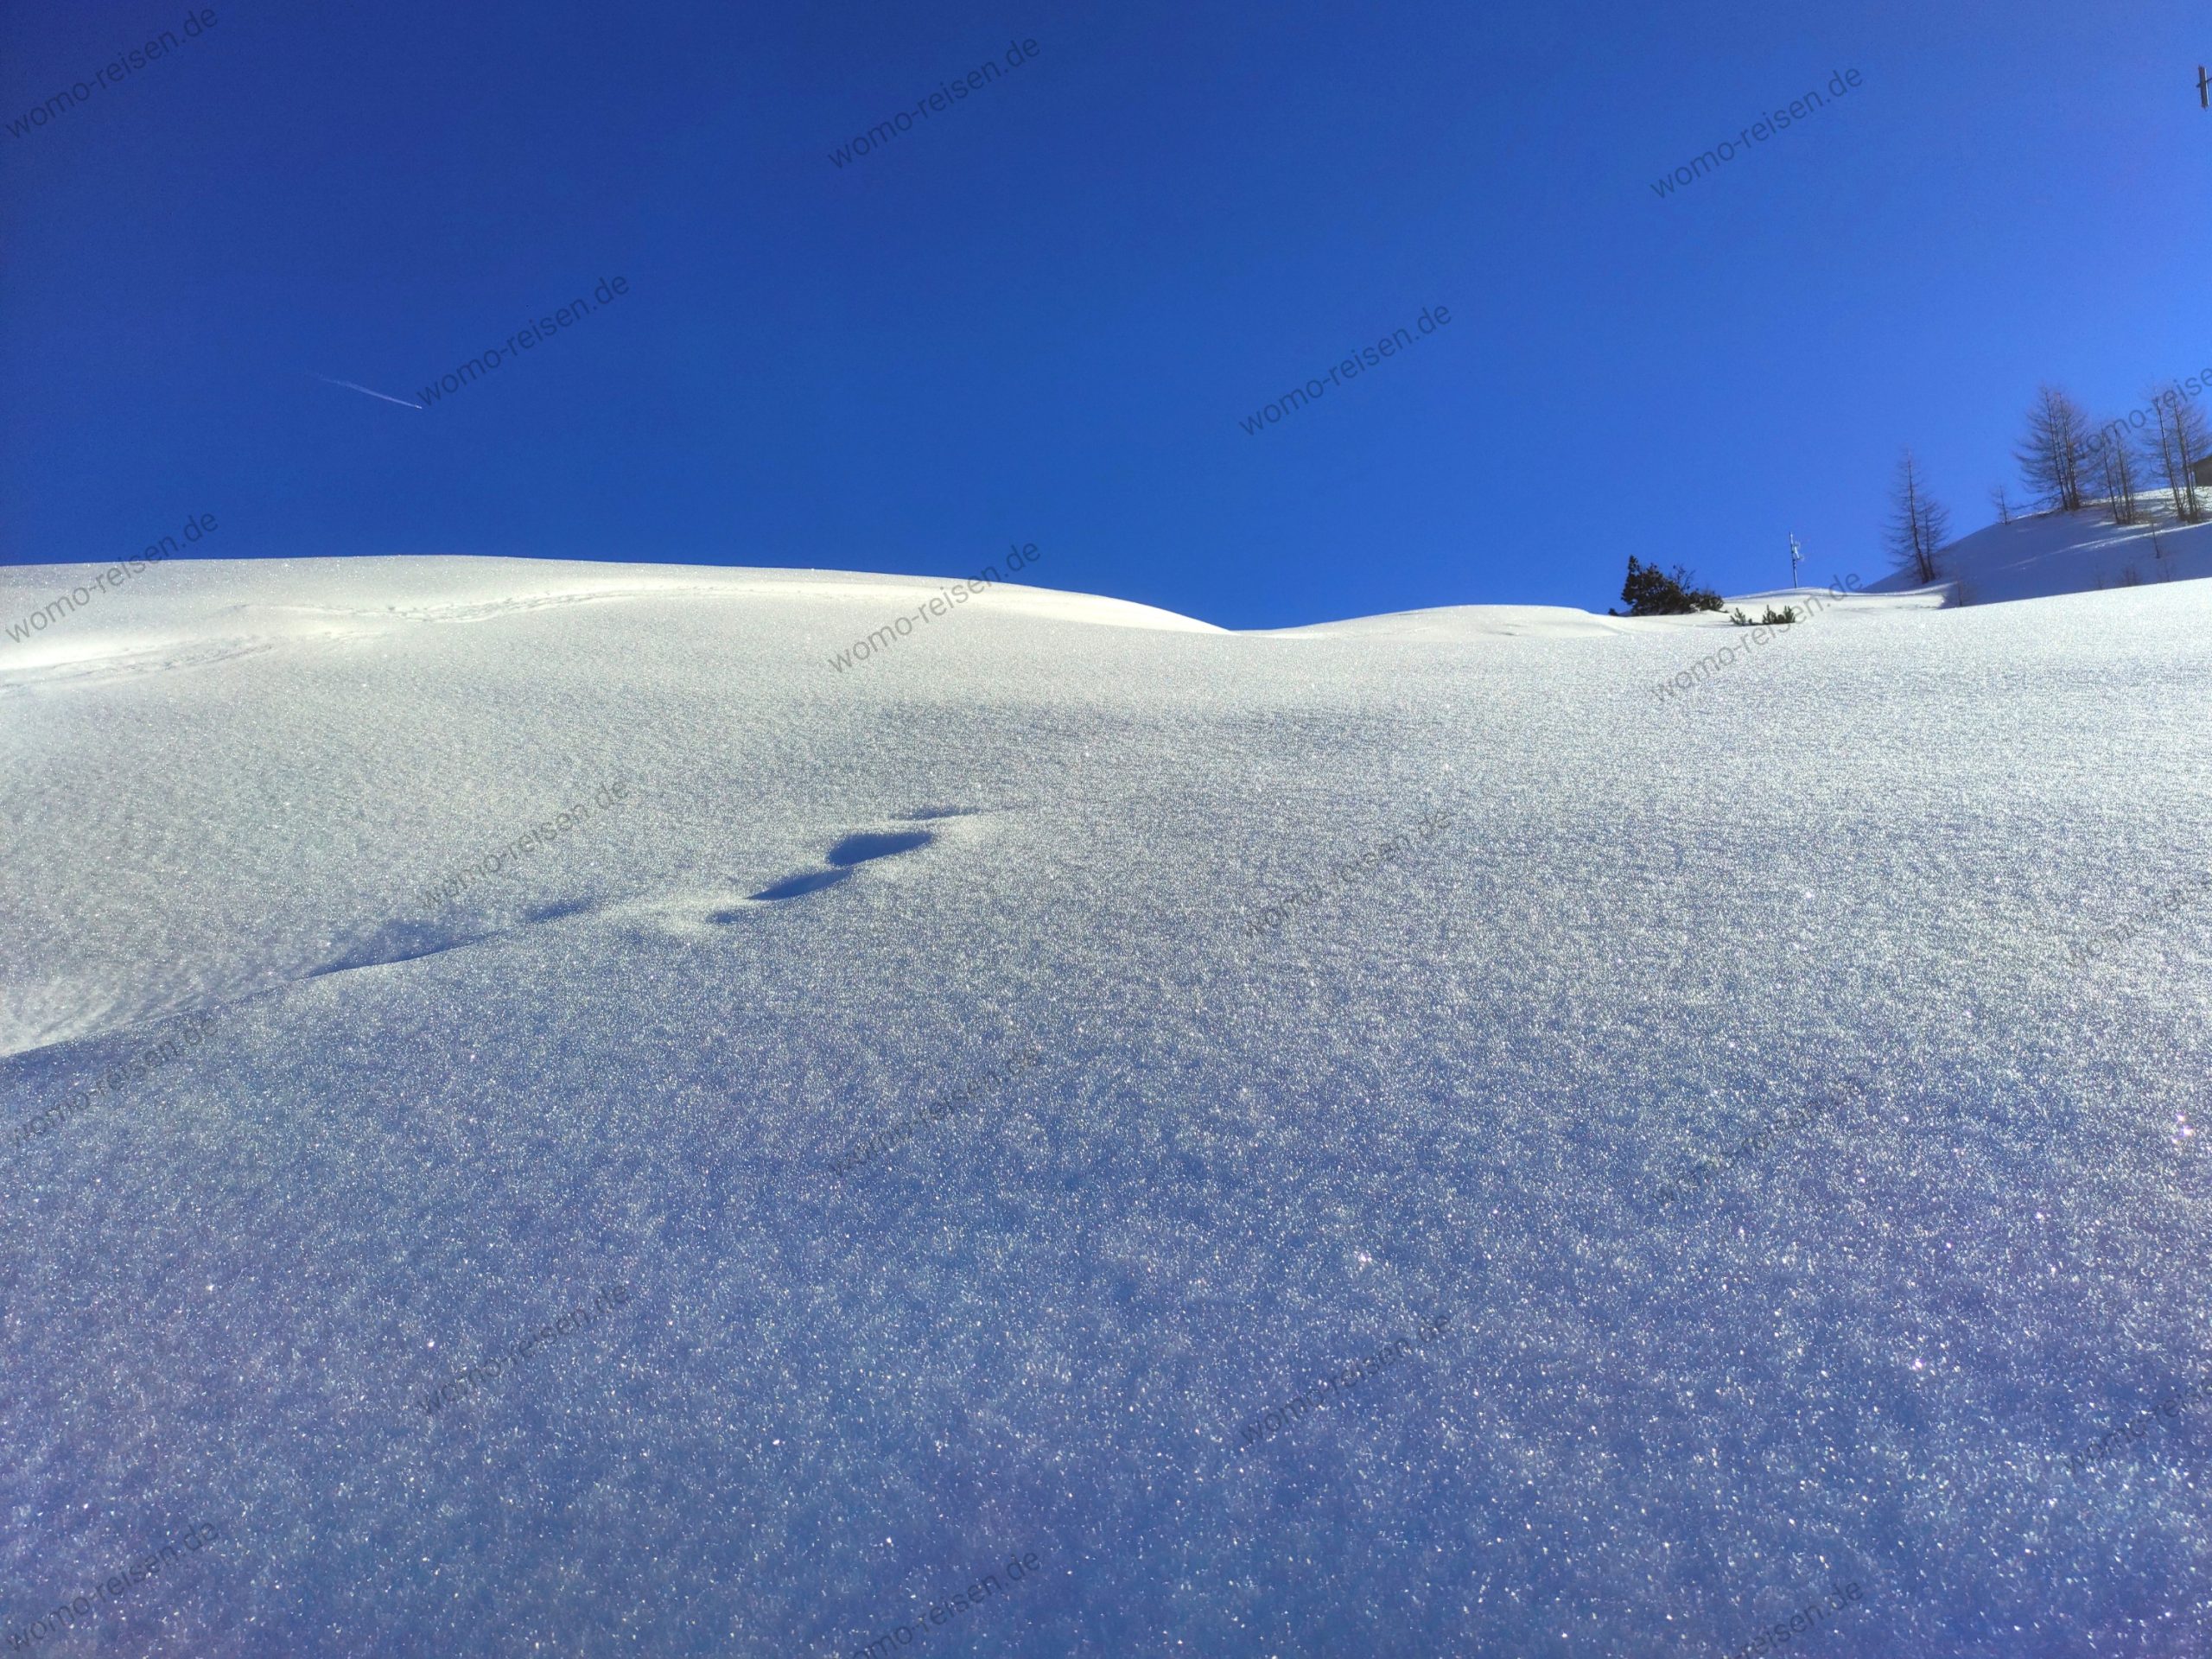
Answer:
(1840, 873)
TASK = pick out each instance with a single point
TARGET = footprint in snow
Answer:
(862, 848)
(396, 942)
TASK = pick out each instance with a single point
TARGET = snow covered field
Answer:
(1714, 1081)
(2043, 555)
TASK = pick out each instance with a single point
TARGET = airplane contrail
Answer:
(349, 386)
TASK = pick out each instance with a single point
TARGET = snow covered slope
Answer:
(2052, 553)
(555, 1119)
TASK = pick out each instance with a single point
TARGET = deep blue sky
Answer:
(1040, 316)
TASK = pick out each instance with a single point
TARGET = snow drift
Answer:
(1786, 1203)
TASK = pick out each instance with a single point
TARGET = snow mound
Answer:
(552, 1116)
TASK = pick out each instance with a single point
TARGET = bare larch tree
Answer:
(1918, 524)
(2114, 461)
(2051, 455)
(2174, 445)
